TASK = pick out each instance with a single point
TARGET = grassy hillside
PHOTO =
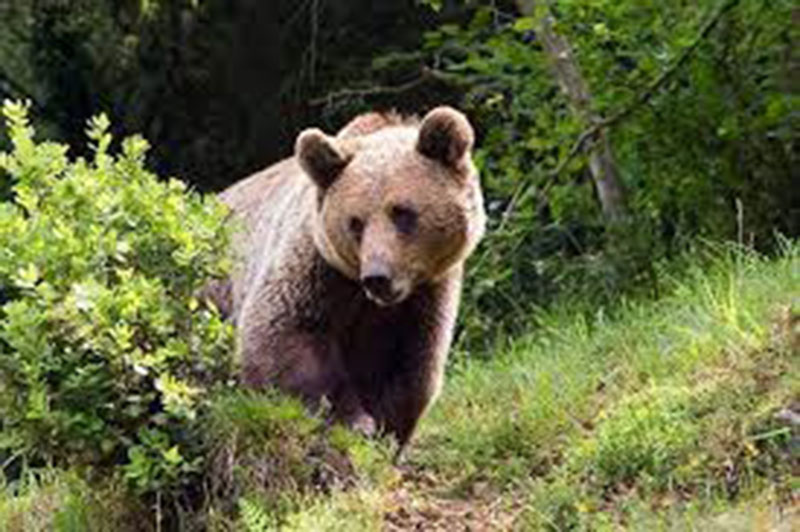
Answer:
(667, 412)
(678, 413)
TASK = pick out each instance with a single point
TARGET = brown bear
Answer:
(351, 263)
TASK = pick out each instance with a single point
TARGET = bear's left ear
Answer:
(320, 157)
(445, 136)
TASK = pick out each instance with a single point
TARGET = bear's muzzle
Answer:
(380, 285)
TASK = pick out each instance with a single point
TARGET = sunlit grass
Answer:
(49, 499)
(660, 398)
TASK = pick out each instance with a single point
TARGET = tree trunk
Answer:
(602, 166)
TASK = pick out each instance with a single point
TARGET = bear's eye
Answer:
(356, 226)
(404, 219)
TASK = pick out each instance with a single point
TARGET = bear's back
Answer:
(247, 197)
(267, 216)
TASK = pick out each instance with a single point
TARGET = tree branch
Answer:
(647, 94)
(641, 99)
(426, 75)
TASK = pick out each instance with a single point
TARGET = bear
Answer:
(350, 265)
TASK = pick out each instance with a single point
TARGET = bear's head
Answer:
(399, 206)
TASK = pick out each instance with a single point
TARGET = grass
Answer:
(64, 501)
(664, 416)
(668, 405)
(284, 469)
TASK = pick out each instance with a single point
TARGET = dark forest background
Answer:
(613, 136)
(220, 88)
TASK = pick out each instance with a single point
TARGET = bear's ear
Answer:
(445, 136)
(320, 157)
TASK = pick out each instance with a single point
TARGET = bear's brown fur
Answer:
(351, 265)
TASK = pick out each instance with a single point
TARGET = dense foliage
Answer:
(698, 105)
(219, 87)
(106, 356)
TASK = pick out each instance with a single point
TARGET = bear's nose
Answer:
(378, 285)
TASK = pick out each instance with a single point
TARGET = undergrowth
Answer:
(676, 412)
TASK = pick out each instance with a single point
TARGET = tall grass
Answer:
(522, 406)
(49, 499)
(662, 397)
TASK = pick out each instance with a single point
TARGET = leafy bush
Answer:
(106, 355)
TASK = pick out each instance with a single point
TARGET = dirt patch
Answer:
(418, 503)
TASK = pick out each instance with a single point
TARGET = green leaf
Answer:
(524, 24)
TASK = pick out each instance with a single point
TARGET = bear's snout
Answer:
(379, 285)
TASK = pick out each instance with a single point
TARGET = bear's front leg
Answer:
(305, 365)
(421, 353)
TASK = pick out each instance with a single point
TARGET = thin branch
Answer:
(654, 87)
(647, 94)
(576, 148)
(426, 75)
(623, 113)
(287, 26)
(315, 9)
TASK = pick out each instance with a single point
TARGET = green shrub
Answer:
(107, 358)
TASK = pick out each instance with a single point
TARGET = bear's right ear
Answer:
(320, 157)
